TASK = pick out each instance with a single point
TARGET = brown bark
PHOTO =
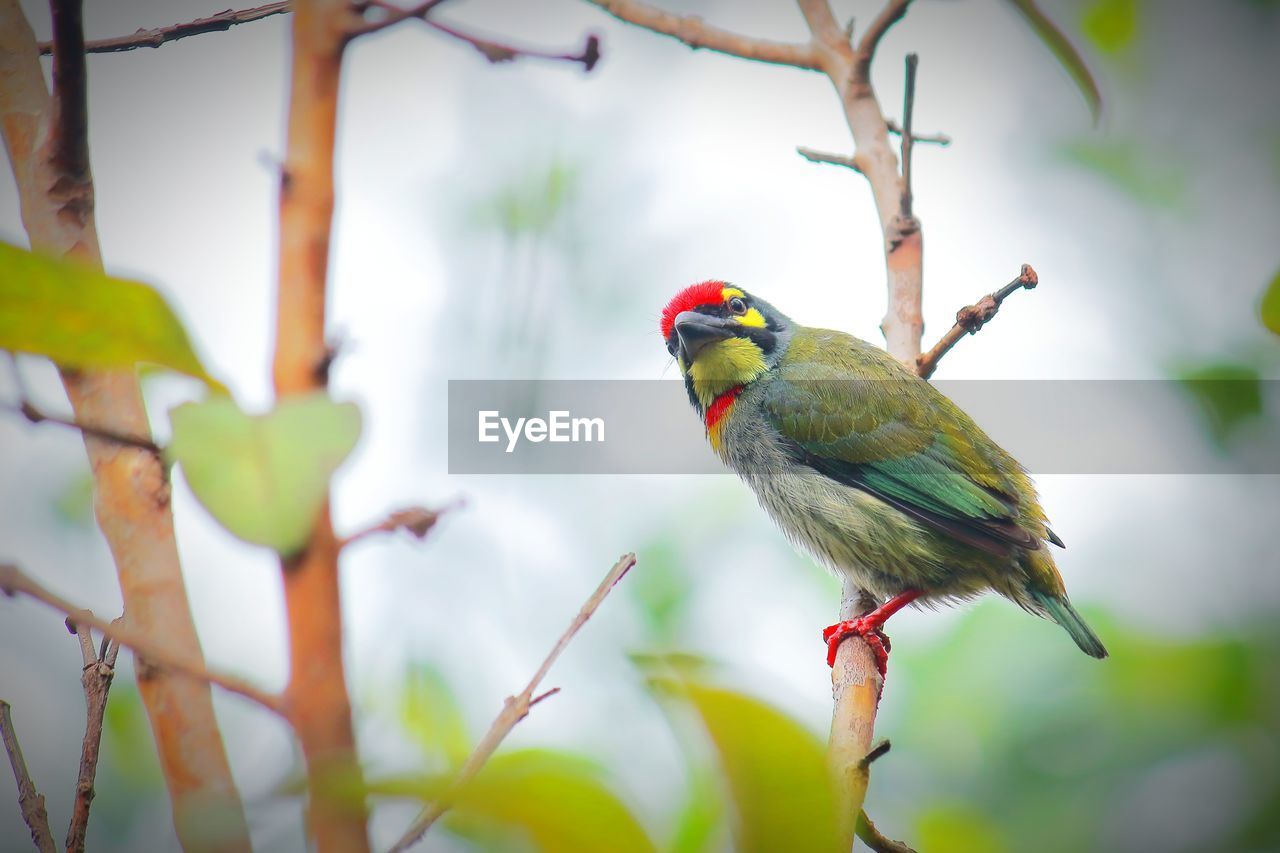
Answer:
(316, 696)
(44, 138)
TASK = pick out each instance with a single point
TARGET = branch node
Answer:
(880, 750)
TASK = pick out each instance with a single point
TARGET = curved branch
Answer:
(30, 801)
(150, 650)
(696, 33)
(163, 35)
(515, 709)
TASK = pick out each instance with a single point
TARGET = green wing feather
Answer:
(850, 411)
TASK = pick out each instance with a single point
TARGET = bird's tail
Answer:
(1060, 610)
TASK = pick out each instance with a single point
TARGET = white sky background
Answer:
(689, 172)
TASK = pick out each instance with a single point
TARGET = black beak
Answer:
(697, 331)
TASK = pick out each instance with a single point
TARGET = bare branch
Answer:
(150, 650)
(30, 800)
(29, 411)
(696, 33)
(814, 156)
(96, 678)
(931, 138)
(163, 35)
(971, 318)
(873, 838)
(395, 15)
(908, 140)
(417, 521)
(515, 709)
(889, 15)
(497, 52)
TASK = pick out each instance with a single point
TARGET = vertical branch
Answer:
(30, 800)
(46, 142)
(908, 135)
(99, 671)
(316, 695)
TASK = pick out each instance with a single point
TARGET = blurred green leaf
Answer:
(1060, 46)
(264, 477)
(74, 501)
(430, 715)
(557, 801)
(1130, 168)
(663, 591)
(776, 770)
(1112, 25)
(1270, 308)
(698, 824)
(79, 317)
(956, 829)
(1226, 393)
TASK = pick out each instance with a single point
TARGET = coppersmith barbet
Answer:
(865, 465)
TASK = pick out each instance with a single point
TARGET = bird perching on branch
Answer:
(864, 464)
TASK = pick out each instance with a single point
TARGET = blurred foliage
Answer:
(1227, 394)
(265, 477)
(80, 317)
(1132, 168)
(1269, 310)
(431, 717)
(73, 504)
(1064, 51)
(1111, 25)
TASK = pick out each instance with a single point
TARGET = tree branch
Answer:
(30, 800)
(971, 318)
(417, 521)
(830, 159)
(889, 15)
(131, 487)
(497, 52)
(908, 139)
(696, 33)
(220, 22)
(150, 650)
(875, 840)
(96, 677)
(316, 693)
(29, 411)
(515, 709)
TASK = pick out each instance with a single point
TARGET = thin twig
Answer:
(395, 15)
(889, 15)
(908, 139)
(417, 521)
(497, 52)
(515, 709)
(815, 156)
(29, 411)
(877, 752)
(150, 650)
(931, 138)
(971, 318)
(30, 800)
(696, 33)
(878, 842)
(96, 678)
(163, 35)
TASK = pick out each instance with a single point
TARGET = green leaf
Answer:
(1111, 25)
(1270, 308)
(430, 715)
(264, 477)
(1064, 51)
(1132, 169)
(697, 827)
(557, 801)
(957, 829)
(82, 318)
(782, 791)
(1227, 394)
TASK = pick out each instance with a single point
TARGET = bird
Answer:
(868, 467)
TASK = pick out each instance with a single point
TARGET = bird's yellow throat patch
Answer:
(724, 365)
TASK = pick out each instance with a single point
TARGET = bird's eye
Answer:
(737, 305)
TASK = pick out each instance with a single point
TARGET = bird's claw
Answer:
(868, 630)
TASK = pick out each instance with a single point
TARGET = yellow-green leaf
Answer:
(1065, 52)
(1270, 308)
(82, 318)
(430, 715)
(1112, 25)
(781, 788)
(264, 477)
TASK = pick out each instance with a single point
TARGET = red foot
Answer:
(868, 628)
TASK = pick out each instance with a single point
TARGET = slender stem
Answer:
(163, 35)
(908, 138)
(30, 800)
(96, 679)
(515, 709)
(971, 318)
(36, 416)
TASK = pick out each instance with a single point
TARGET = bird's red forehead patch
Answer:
(704, 293)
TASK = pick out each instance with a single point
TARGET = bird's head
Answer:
(722, 338)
